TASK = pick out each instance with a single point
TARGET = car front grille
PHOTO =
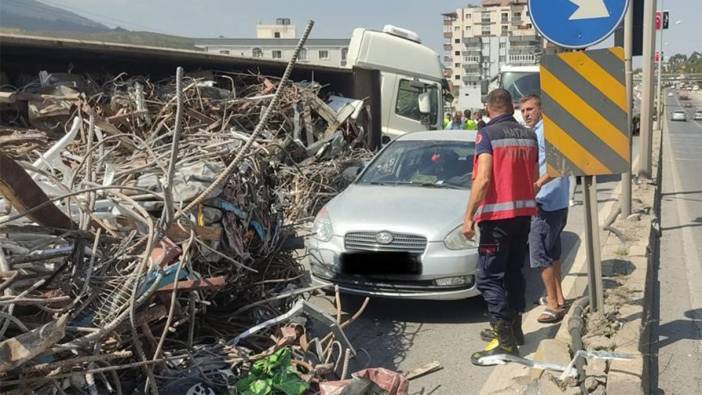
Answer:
(365, 241)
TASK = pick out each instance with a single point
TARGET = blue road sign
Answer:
(576, 23)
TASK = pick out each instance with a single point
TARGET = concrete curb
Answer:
(514, 378)
(637, 262)
(628, 377)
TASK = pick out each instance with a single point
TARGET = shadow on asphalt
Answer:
(682, 329)
(693, 224)
(388, 328)
(420, 311)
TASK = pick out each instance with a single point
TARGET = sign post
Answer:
(585, 106)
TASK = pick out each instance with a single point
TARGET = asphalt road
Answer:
(677, 331)
(403, 335)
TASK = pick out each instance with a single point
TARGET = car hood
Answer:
(430, 212)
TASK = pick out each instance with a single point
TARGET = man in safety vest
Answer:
(469, 122)
(501, 204)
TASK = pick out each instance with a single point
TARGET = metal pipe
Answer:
(659, 113)
(628, 75)
(649, 44)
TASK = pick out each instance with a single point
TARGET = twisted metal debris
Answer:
(145, 225)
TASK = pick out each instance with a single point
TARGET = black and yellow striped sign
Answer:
(585, 112)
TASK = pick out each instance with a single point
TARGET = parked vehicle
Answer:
(698, 115)
(409, 244)
(679, 116)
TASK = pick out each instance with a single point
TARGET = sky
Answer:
(333, 18)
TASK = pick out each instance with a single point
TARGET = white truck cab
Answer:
(520, 81)
(411, 78)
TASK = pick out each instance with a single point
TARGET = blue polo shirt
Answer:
(554, 195)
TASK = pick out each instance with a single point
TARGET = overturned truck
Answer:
(145, 219)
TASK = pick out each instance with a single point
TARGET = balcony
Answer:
(472, 77)
(447, 47)
(471, 68)
(448, 59)
(471, 60)
(525, 42)
(522, 59)
(518, 22)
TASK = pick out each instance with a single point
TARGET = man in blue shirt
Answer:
(548, 224)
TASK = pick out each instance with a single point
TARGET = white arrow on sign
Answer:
(589, 9)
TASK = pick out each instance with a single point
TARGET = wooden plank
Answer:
(194, 285)
(178, 232)
(24, 194)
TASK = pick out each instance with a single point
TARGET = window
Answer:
(505, 17)
(456, 65)
(302, 55)
(257, 52)
(323, 54)
(408, 99)
(502, 58)
(457, 53)
(456, 28)
(502, 45)
(456, 40)
(517, 14)
(224, 52)
(277, 54)
(276, 35)
(528, 25)
(504, 29)
(344, 53)
(467, 28)
(456, 77)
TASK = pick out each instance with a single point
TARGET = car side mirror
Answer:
(424, 103)
(351, 172)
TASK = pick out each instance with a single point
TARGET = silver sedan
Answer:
(396, 230)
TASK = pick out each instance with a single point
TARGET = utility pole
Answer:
(629, 77)
(649, 44)
(659, 112)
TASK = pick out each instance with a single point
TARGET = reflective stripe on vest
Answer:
(505, 206)
(504, 143)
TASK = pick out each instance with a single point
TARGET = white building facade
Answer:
(479, 40)
(278, 42)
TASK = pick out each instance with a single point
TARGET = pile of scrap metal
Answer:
(144, 232)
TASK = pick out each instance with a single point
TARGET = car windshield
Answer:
(438, 164)
(520, 84)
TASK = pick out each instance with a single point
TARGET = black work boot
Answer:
(488, 334)
(517, 329)
(504, 343)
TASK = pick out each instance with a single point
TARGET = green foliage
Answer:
(273, 375)
(686, 64)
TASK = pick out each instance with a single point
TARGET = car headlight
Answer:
(456, 241)
(322, 227)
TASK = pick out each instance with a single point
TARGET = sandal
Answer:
(549, 316)
(542, 301)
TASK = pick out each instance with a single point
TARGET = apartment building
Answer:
(278, 41)
(478, 40)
